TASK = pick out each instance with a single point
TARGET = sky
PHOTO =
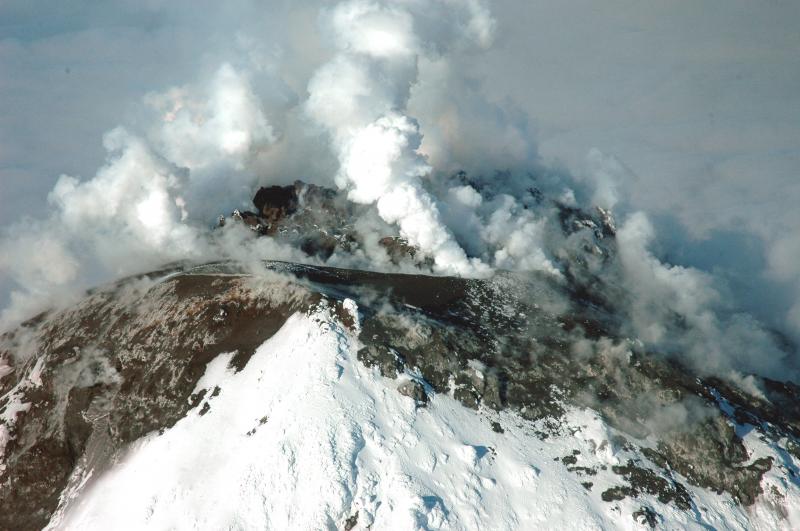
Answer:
(697, 105)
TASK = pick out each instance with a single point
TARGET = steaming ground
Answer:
(567, 353)
(424, 401)
(306, 437)
(205, 396)
(700, 102)
(362, 109)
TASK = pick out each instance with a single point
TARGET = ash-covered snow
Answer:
(306, 437)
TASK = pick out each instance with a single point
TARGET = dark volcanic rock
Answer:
(315, 219)
(126, 361)
(398, 249)
(128, 356)
(646, 516)
(642, 480)
(319, 221)
(274, 203)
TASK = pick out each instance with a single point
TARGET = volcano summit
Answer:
(305, 396)
(399, 264)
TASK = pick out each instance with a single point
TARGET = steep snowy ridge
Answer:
(16, 404)
(306, 437)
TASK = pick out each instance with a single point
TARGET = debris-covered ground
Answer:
(512, 401)
(435, 401)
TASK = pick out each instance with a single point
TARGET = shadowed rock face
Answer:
(126, 360)
(274, 203)
(315, 219)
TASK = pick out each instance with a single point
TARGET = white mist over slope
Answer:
(386, 100)
(306, 437)
(199, 149)
(361, 96)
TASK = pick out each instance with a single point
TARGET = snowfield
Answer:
(306, 437)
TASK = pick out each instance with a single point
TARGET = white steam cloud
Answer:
(361, 97)
(147, 204)
(679, 309)
(224, 123)
(377, 98)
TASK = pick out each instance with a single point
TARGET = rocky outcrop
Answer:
(119, 365)
(274, 203)
(317, 220)
(314, 219)
(126, 361)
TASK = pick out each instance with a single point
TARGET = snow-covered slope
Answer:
(307, 437)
